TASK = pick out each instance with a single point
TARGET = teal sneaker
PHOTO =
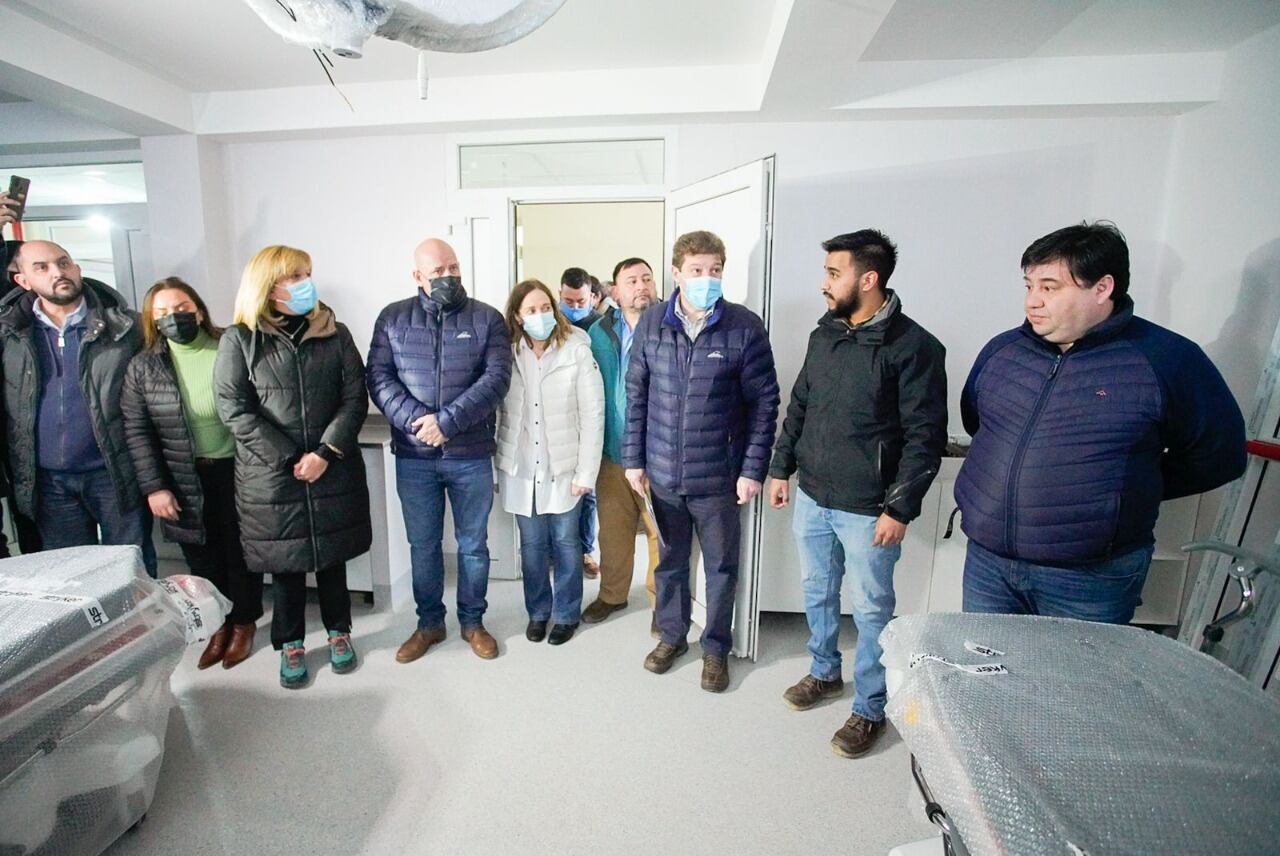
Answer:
(342, 654)
(293, 665)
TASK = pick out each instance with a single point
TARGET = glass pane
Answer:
(568, 164)
(92, 184)
(88, 242)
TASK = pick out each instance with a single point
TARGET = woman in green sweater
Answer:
(185, 457)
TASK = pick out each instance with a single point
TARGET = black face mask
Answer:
(447, 290)
(180, 327)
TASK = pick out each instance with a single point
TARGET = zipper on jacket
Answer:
(306, 442)
(1015, 465)
(439, 368)
(684, 405)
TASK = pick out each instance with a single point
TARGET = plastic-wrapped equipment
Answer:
(1050, 736)
(87, 646)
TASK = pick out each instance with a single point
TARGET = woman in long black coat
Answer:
(290, 386)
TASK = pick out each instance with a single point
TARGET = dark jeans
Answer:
(717, 521)
(422, 485)
(289, 604)
(1107, 591)
(551, 566)
(220, 559)
(71, 507)
(587, 523)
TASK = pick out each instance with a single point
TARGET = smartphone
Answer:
(18, 187)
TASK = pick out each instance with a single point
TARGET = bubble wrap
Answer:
(1097, 739)
(88, 644)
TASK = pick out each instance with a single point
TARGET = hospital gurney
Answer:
(1035, 735)
(87, 645)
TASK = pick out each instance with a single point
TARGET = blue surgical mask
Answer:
(539, 326)
(576, 313)
(702, 291)
(302, 297)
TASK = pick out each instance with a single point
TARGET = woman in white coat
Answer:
(550, 438)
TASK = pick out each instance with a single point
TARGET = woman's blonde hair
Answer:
(515, 324)
(264, 270)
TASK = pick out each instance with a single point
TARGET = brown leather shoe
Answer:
(590, 568)
(715, 673)
(809, 691)
(485, 646)
(661, 658)
(240, 646)
(856, 737)
(598, 611)
(418, 643)
(217, 647)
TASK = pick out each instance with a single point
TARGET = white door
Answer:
(738, 206)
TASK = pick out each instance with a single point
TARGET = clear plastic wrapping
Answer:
(87, 646)
(1049, 736)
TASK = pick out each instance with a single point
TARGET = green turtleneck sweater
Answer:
(194, 365)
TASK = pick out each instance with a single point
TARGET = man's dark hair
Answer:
(575, 277)
(595, 287)
(870, 249)
(1090, 250)
(626, 263)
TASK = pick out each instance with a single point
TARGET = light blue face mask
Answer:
(702, 291)
(576, 313)
(302, 297)
(540, 326)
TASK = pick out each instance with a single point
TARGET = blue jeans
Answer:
(587, 524)
(422, 486)
(550, 541)
(71, 507)
(832, 543)
(1107, 591)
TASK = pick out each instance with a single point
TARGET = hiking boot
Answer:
(561, 633)
(483, 644)
(536, 631)
(810, 690)
(598, 611)
(856, 737)
(661, 658)
(342, 654)
(217, 647)
(590, 568)
(293, 665)
(418, 643)
(715, 673)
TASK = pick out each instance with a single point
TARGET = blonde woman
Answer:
(290, 386)
(550, 437)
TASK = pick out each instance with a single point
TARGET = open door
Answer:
(738, 206)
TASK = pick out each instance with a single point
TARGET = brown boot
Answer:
(217, 647)
(418, 643)
(590, 569)
(856, 737)
(240, 646)
(809, 691)
(485, 646)
(661, 658)
(715, 673)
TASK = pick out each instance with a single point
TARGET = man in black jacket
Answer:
(66, 342)
(865, 428)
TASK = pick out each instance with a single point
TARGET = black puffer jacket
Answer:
(111, 340)
(160, 443)
(281, 401)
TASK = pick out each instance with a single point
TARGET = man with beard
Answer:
(66, 342)
(439, 365)
(620, 508)
(865, 429)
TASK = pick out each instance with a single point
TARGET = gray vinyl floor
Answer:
(569, 750)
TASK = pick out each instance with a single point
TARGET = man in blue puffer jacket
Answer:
(439, 365)
(1083, 420)
(702, 405)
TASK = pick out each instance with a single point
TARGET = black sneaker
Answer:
(856, 737)
(536, 631)
(661, 658)
(809, 691)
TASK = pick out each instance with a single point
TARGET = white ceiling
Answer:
(212, 67)
(212, 45)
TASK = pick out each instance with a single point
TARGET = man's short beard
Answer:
(64, 300)
(845, 307)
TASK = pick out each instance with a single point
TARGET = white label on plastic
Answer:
(984, 669)
(93, 611)
(982, 650)
(196, 629)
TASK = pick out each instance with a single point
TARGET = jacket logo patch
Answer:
(463, 335)
(1102, 393)
(715, 355)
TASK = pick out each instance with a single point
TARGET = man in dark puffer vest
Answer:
(702, 405)
(439, 365)
(1083, 420)
(67, 341)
